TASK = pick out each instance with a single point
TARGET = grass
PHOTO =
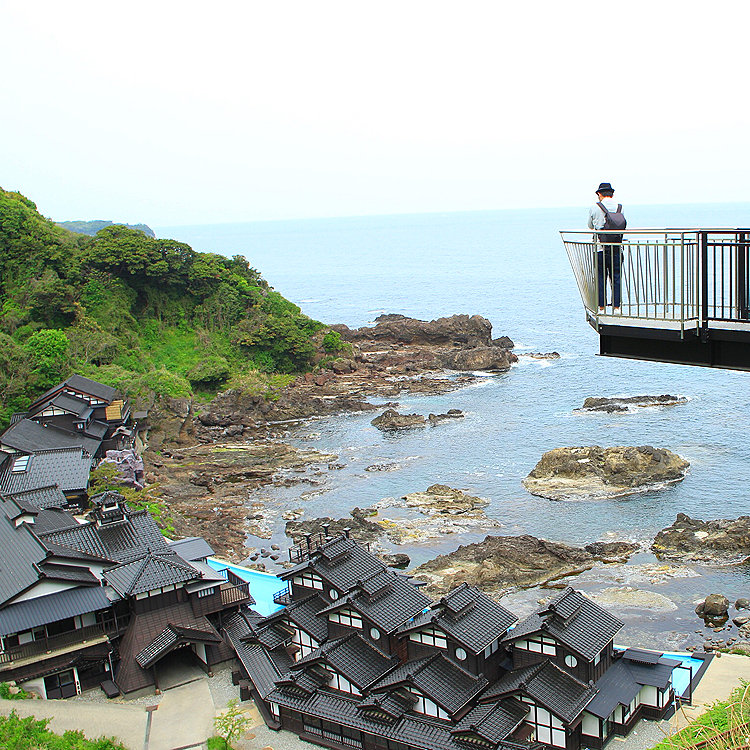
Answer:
(725, 726)
(32, 734)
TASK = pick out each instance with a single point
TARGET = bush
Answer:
(32, 734)
(19, 695)
(332, 342)
(165, 383)
(212, 370)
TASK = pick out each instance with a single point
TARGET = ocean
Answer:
(511, 267)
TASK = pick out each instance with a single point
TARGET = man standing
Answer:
(609, 258)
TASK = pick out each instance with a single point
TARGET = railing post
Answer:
(703, 255)
(742, 310)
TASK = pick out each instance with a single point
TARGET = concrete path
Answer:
(184, 718)
(723, 675)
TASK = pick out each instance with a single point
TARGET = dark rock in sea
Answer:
(457, 330)
(505, 341)
(543, 355)
(742, 603)
(700, 609)
(593, 472)
(717, 541)
(625, 403)
(611, 551)
(383, 467)
(740, 621)
(501, 562)
(492, 358)
(396, 560)
(390, 419)
(450, 414)
(715, 606)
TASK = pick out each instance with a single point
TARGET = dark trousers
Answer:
(608, 262)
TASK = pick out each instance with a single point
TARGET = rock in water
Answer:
(595, 473)
(481, 358)
(715, 606)
(625, 403)
(390, 419)
(718, 541)
(611, 551)
(440, 499)
(504, 562)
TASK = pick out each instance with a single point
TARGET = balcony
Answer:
(282, 597)
(684, 294)
(46, 648)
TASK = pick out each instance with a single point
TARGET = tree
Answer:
(232, 723)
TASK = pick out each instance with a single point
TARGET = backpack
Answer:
(612, 220)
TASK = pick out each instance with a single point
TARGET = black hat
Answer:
(604, 186)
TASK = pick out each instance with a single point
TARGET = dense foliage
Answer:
(92, 227)
(136, 312)
(28, 733)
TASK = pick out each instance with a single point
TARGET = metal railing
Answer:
(680, 278)
(282, 596)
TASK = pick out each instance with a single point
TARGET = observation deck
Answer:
(684, 294)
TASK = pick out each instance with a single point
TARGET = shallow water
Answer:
(510, 267)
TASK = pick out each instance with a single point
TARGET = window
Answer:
(430, 637)
(309, 581)
(339, 682)
(547, 727)
(374, 634)
(460, 654)
(304, 642)
(538, 644)
(61, 685)
(428, 707)
(333, 594)
(571, 661)
(20, 463)
(597, 658)
(274, 710)
(346, 617)
(206, 592)
(494, 646)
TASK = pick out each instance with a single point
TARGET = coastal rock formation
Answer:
(480, 358)
(594, 472)
(390, 419)
(358, 524)
(450, 414)
(718, 541)
(627, 403)
(439, 499)
(611, 551)
(501, 562)
(457, 330)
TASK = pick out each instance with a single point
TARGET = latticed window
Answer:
(309, 581)
(430, 637)
(539, 644)
(347, 617)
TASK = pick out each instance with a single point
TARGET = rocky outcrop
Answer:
(611, 551)
(480, 358)
(450, 414)
(628, 403)
(439, 499)
(502, 562)
(594, 472)
(718, 541)
(390, 419)
(457, 330)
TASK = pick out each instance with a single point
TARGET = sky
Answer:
(175, 113)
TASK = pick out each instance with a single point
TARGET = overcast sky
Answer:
(191, 113)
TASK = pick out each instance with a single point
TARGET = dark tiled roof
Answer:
(45, 609)
(173, 636)
(71, 573)
(69, 468)
(191, 548)
(150, 572)
(438, 678)
(78, 406)
(68, 553)
(624, 679)
(20, 555)
(395, 603)
(263, 668)
(53, 519)
(119, 542)
(142, 630)
(393, 704)
(41, 497)
(352, 656)
(29, 437)
(466, 615)
(342, 562)
(493, 722)
(304, 614)
(273, 636)
(574, 620)
(548, 685)
(96, 429)
(82, 385)
(91, 655)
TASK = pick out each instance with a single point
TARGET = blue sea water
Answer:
(510, 267)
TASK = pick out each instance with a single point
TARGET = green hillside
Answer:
(139, 313)
(92, 227)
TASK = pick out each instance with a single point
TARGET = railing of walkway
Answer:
(678, 278)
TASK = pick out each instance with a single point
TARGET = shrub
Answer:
(165, 383)
(232, 723)
(212, 370)
(332, 342)
(27, 733)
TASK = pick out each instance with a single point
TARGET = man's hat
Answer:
(605, 186)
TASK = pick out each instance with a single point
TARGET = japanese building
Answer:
(360, 657)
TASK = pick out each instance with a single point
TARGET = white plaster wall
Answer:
(590, 724)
